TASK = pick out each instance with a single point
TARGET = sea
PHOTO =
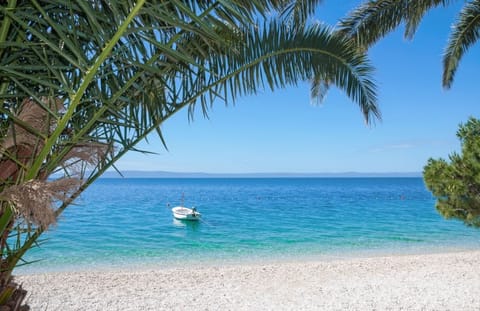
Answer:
(125, 223)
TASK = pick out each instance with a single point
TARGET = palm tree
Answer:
(375, 18)
(83, 82)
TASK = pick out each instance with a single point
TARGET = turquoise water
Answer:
(119, 222)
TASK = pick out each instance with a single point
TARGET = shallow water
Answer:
(120, 222)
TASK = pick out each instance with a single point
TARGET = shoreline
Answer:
(160, 262)
(148, 263)
(437, 281)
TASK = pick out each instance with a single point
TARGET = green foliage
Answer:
(465, 32)
(456, 184)
(83, 82)
(374, 19)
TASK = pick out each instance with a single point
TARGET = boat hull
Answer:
(185, 213)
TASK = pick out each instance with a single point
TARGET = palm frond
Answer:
(296, 12)
(120, 73)
(416, 10)
(278, 57)
(173, 55)
(374, 19)
(318, 90)
(465, 33)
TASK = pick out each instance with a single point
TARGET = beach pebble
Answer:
(449, 281)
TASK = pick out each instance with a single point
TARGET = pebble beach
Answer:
(441, 281)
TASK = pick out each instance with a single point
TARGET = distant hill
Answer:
(162, 174)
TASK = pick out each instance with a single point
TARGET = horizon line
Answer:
(169, 174)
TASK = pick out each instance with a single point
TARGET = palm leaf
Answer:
(374, 19)
(296, 13)
(465, 32)
(121, 72)
(286, 57)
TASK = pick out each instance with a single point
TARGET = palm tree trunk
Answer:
(17, 296)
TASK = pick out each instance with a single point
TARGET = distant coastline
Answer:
(164, 174)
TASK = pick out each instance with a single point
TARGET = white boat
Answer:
(185, 213)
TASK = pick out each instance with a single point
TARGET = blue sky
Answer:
(283, 132)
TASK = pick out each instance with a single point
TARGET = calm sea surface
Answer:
(119, 222)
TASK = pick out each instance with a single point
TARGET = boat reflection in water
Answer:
(193, 225)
